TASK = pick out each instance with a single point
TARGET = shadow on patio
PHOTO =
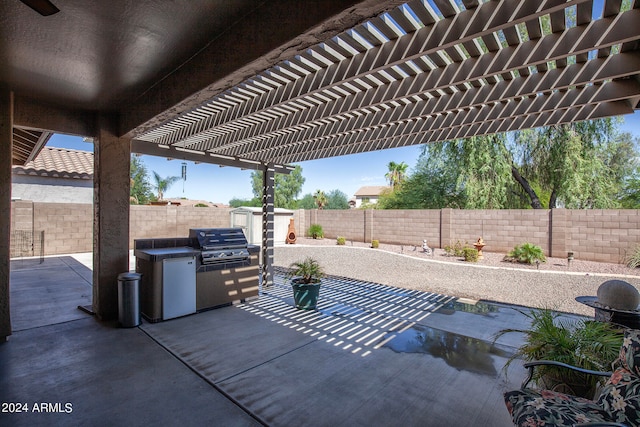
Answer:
(370, 355)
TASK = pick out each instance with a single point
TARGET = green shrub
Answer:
(632, 260)
(315, 231)
(375, 244)
(527, 253)
(456, 249)
(341, 241)
(470, 254)
(200, 205)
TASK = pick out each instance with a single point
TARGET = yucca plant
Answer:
(527, 253)
(586, 344)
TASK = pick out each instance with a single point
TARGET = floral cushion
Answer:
(620, 396)
(530, 408)
(630, 351)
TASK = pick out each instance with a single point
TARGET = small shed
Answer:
(250, 220)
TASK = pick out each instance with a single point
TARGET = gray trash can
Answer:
(129, 299)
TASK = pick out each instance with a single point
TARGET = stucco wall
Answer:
(597, 235)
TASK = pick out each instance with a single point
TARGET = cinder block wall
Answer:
(148, 222)
(596, 235)
(22, 216)
(603, 235)
(501, 230)
(68, 227)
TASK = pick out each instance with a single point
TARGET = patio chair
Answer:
(618, 403)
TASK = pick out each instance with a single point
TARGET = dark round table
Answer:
(628, 318)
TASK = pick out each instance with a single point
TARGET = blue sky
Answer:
(347, 174)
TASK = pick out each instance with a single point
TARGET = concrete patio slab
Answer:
(49, 292)
(370, 355)
(101, 375)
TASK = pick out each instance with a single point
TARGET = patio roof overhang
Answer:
(422, 72)
(273, 83)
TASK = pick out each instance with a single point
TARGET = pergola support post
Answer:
(112, 158)
(268, 217)
(6, 150)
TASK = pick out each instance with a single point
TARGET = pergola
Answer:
(262, 85)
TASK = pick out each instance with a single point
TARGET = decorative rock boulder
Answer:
(619, 295)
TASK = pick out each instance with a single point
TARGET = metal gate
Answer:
(27, 243)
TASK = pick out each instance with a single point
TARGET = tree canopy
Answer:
(578, 165)
(287, 187)
(140, 191)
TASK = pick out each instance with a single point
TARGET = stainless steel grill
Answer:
(220, 245)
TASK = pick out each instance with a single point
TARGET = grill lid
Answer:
(220, 245)
(217, 238)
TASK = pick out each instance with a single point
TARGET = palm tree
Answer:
(163, 184)
(321, 199)
(396, 174)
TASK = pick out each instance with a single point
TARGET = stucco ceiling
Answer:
(149, 60)
(286, 81)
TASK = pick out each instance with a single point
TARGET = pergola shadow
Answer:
(369, 355)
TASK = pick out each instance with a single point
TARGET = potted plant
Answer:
(585, 344)
(306, 278)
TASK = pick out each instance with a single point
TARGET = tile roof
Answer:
(371, 190)
(59, 163)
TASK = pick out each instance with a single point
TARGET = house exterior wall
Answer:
(594, 235)
(360, 200)
(51, 190)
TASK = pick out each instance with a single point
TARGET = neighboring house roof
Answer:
(189, 202)
(371, 191)
(59, 163)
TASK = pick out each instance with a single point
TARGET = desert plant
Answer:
(586, 344)
(632, 260)
(200, 205)
(306, 271)
(341, 241)
(527, 253)
(470, 254)
(455, 249)
(315, 231)
(305, 279)
(375, 244)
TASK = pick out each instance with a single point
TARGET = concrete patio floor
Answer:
(370, 355)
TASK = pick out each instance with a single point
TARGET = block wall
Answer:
(501, 230)
(148, 222)
(68, 227)
(596, 235)
(603, 235)
(22, 216)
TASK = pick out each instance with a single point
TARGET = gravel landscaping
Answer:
(553, 284)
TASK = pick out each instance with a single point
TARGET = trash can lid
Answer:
(129, 276)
